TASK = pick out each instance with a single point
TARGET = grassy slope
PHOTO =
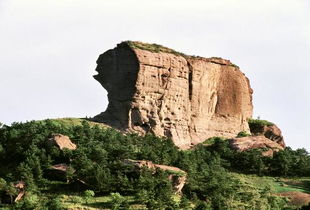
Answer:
(297, 190)
(97, 202)
(70, 121)
(276, 184)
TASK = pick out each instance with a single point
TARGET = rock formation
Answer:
(155, 89)
(177, 176)
(59, 172)
(62, 142)
(270, 131)
(255, 142)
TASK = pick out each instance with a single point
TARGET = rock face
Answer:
(255, 142)
(189, 99)
(177, 176)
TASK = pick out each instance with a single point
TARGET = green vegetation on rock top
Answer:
(257, 122)
(71, 122)
(153, 48)
(156, 48)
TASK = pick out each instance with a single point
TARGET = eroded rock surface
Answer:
(189, 99)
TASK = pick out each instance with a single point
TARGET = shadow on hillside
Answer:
(301, 185)
(111, 205)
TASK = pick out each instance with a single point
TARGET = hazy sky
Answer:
(48, 52)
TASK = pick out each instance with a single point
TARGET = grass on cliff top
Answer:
(153, 48)
(156, 48)
(70, 122)
(257, 122)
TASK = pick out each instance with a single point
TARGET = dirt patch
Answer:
(297, 198)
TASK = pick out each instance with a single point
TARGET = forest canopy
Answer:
(97, 165)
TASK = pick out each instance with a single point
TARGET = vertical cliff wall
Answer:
(158, 90)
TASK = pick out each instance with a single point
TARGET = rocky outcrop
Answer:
(62, 142)
(270, 131)
(59, 172)
(255, 142)
(158, 90)
(176, 176)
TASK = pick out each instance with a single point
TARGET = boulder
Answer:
(267, 129)
(58, 172)
(177, 176)
(154, 89)
(62, 142)
(255, 142)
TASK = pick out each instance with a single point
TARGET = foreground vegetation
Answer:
(217, 177)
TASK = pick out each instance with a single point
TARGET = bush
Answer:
(257, 122)
(55, 204)
(256, 126)
(118, 201)
(202, 205)
(243, 134)
(88, 194)
(30, 201)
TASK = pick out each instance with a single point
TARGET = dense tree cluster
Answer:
(287, 162)
(98, 163)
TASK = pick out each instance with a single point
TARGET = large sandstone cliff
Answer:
(189, 99)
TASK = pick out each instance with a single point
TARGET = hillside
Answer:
(178, 133)
(96, 176)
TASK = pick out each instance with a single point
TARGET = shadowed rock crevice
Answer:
(190, 82)
(154, 89)
(117, 73)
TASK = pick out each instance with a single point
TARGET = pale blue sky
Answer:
(48, 51)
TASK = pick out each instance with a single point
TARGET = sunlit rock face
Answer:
(255, 142)
(153, 89)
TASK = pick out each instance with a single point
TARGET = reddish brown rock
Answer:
(157, 90)
(62, 142)
(255, 142)
(177, 176)
(274, 133)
